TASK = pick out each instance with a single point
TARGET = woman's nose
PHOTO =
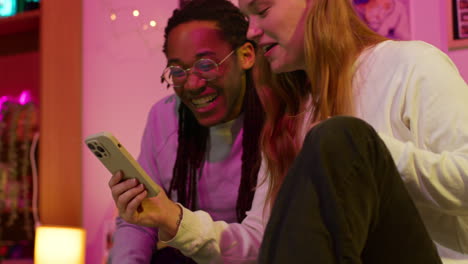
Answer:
(254, 32)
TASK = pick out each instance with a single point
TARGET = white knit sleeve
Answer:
(434, 165)
(208, 241)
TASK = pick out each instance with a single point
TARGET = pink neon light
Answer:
(24, 98)
(3, 100)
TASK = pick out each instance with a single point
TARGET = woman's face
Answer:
(278, 28)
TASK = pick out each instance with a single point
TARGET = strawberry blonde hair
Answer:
(334, 38)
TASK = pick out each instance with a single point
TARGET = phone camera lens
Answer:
(91, 146)
(99, 155)
(100, 149)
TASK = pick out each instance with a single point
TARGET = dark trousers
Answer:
(343, 201)
(170, 255)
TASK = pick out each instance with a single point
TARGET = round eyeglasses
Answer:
(207, 69)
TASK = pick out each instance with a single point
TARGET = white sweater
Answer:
(413, 95)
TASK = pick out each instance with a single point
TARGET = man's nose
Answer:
(194, 82)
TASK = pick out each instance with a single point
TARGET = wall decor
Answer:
(457, 24)
(389, 18)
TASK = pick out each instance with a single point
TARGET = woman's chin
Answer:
(282, 67)
(282, 61)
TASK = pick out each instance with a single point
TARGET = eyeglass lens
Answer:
(205, 68)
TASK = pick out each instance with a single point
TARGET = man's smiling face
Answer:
(215, 101)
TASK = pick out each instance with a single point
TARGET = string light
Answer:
(136, 20)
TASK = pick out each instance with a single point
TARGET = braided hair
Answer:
(192, 137)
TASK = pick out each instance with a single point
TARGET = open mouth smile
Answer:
(267, 48)
(203, 101)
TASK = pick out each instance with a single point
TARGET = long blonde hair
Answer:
(334, 38)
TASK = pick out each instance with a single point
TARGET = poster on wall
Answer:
(461, 22)
(457, 23)
(389, 18)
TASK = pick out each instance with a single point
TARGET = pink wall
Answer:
(122, 62)
(429, 23)
(122, 65)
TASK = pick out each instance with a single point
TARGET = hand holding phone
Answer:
(116, 158)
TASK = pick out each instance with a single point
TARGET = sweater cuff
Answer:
(188, 238)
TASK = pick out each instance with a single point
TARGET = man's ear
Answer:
(246, 55)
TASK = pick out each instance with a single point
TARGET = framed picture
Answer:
(458, 24)
(389, 18)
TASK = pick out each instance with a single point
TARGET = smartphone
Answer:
(116, 158)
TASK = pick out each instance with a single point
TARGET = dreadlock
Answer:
(192, 137)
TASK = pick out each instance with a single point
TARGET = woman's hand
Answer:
(159, 211)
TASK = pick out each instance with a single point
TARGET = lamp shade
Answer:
(55, 244)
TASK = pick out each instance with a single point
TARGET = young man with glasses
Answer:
(201, 146)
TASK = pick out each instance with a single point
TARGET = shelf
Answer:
(22, 22)
(20, 33)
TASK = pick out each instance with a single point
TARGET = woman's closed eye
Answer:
(263, 12)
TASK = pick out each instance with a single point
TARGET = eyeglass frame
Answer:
(187, 71)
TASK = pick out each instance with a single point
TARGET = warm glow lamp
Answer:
(59, 245)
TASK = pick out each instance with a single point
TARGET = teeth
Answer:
(203, 100)
(268, 47)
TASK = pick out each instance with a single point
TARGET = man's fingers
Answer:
(123, 187)
(128, 201)
(115, 179)
(135, 204)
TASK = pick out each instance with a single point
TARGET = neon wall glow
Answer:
(4, 99)
(122, 65)
(7, 7)
(24, 98)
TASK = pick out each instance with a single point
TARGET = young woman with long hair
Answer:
(326, 62)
